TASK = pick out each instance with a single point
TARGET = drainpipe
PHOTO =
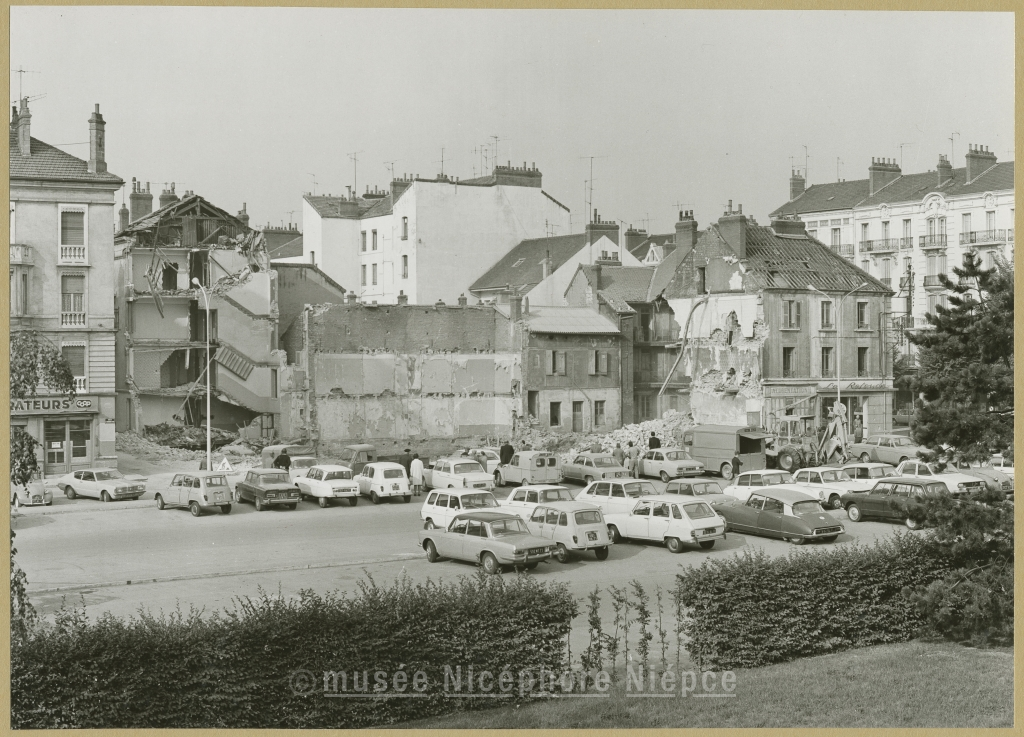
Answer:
(682, 343)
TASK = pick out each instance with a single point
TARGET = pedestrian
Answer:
(405, 459)
(619, 455)
(632, 454)
(283, 461)
(736, 465)
(595, 447)
(653, 442)
(506, 452)
(416, 474)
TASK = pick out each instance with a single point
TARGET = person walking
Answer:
(416, 474)
(619, 455)
(283, 461)
(632, 454)
(506, 452)
(405, 459)
(653, 442)
(736, 463)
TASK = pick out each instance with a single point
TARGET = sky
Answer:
(671, 110)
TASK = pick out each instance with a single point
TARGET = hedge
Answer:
(754, 610)
(238, 668)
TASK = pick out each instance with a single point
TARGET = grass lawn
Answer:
(913, 684)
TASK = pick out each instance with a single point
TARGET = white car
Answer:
(957, 483)
(384, 480)
(524, 499)
(869, 471)
(749, 481)
(1001, 463)
(828, 484)
(670, 519)
(573, 526)
(325, 483)
(492, 456)
(300, 466)
(441, 507)
(616, 497)
(457, 472)
(31, 494)
(105, 484)
(668, 464)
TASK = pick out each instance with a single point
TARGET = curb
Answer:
(111, 507)
(223, 574)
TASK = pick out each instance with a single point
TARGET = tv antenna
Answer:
(314, 182)
(290, 213)
(390, 165)
(952, 151)
(588, 185)
(21, 72)
(494, 151)
(442, 161)
(901, 153)
(355, 172)
(807, 160)
(838, 162)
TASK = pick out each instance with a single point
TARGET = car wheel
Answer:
(665, 477)
(901, 460)
(374, 498)
(797, 540)
(490, 564)
(835, 502)
(561, 554)
(853, 512)
(104, 496)
(193, 507)
(322, 501)
(293, 505)
(259, 503)
(406, 499)
(430, 525)
(530, 566)
(69, 492)
(601, 553)
(726, 470)
(588, 480)
(432, 555)
(160, 502)
(613, 534)
(829, 539)
(674, 544)
(225, 509)
(912, 524)
(353, 500)
(865, 458)
(707, 544)
(237, 497)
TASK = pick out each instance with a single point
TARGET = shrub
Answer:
(238, 668)
(754, 610)
(974, 607)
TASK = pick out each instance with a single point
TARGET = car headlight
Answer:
(960, 487)
(519, 554)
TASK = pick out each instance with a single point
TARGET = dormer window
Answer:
(518, 263)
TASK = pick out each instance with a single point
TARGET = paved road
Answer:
(92, 550)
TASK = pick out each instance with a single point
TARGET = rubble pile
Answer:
(185, 436)
(129, 442)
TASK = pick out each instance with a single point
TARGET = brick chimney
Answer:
(797, 185)
(881, 172)
(515, 307)
(123, 218)
(733, 227)
(24, 123)
(140, 201)
(350, 298)
(686, 231)
(597, 228)
(403, 298)
(97, 143)
(945, 169)
(243, 216)
(462, 300)
(597, 276)
(545, 266)
(979, 160)
(167, 196)
(634, 238)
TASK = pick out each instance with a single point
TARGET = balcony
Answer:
(932, 282)
(932, 241)
(843, 249)
(906, 243)
(72, 319)
(21, 255)
(1009, 235)
(647, 335)
(72, 256)
(983, 237)
(81, 384)
(882, 245)
(886, 280)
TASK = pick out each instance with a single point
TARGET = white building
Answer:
(427, 239)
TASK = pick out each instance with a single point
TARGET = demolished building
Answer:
(161, 318)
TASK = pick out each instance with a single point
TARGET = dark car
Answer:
(491, 539)
(783, 512)
(890, 499)
(267, 487)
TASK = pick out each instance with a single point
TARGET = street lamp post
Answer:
(209, 444)
(839, 339)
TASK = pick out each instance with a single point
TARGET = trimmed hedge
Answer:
(754, 610)
(238, 668)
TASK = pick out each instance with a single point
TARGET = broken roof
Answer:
(521, 267)
(50, 163)
(564, 320)
(189, 206)
(626, 283)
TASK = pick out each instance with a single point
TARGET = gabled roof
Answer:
(341, 207)
(565, 320)
(50, 163)
(521, 267)
(191, 204)
(826, 197)
(664, 272)
(626, 283)
(286, 249)
(666, 241)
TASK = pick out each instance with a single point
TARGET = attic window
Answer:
(830, 198)
(518, 263)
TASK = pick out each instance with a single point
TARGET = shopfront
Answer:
(868, 403)
(66, 430)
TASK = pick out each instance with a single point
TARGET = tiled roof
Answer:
(565, 320)
(286, 249)
(205, 209)
(378, 207)
(522, 265)
(627, 283)
(48, 162)
(340, 207)
(664, 272)
(667, 241)
(826, 197)
(616, 303)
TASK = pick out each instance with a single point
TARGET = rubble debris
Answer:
(147, 450)
(668, 428)
(187, 436)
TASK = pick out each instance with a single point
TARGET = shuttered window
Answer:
(602, 363)
(549, 363)
(592, 362)
(75, 356)
(72, 228)
(560, 363)
(72, 293)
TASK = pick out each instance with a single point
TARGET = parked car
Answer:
(956, 483)
(105, 484)
(869, 471)
(358, 455)
(995, 480)
(197, 490)
(890, 499)
(530, 467)
(1002, 463)
(491, 539)
(326, 483)
(490, 455)
(588, 467)
(457, 472)
(384, 480)
(668, 519)
(707, 491)
(749, 481)
(828, 484)
(267, 487)
(33, 493)
(302, 458)
(668, 464)
(892, 449)
(716, 445)
(523, 500)
(574, 527)
(784, 512)
(442, 506)
(616, 497)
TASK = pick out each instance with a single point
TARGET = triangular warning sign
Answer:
(224, 465)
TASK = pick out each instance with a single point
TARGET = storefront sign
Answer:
(856, 386)
(54, 405)
(790, 391)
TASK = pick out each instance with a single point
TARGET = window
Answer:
(885, 230)
(75, 356)
(863, 232)
(787, 362)
(599, 412)
(362, 275)
(169, 276)
(862, 315)
(518, 263)
(374, 240)
(555, 363)
(273, 383)
(906, 229)
(936, 300)
(836, 236)
(702, 279)
(555, 414)
(862, 362)
(72, 300)
(405, 228)
(826, 316)
(886, 277)
(117, 318)
(865, 266)
(72, 228)
(374, 274)
(791, 314)
(532, 403)
(405, 267)
(362, 241)
(598, 361)
(828, 367)
(12, 233)
(813, 234)
(965, 222)
(990, 221)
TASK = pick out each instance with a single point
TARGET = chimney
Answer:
(733, 228)
(945, 169)
(526, 306)
(545, 266)
(123, 218)
(462, 300)
(979, 160)
(881, 172)
(350, 298)
(168, 197)
(97, 143)
(403, 298)
(597, 276)
(515, 307)
(243, 216)
(797, 185)
(597, 228)
(140, 201)
(634, 238)
(686, 232)
(24, 129)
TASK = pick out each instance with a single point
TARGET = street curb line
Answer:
(223, 574)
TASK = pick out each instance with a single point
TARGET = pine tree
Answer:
(964, 383)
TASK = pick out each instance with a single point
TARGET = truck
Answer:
(716, 445)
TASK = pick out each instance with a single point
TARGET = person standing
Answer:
(283, 461)
(619, 455)
(416, 474)
(736, 463)
(595, 447)
(653, 442)
(632, 454)
(405, 460)
(506, 452)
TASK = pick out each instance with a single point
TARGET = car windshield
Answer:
(335, 475)
(701, 489)
(698, 511)
(839, 475)
(807, 507)
(216, 481)
(879, 472)
(476, 501)
(394, 473)
(604, 461)
(774, 479)
(462, 468)
(560, 494)
(677, 455)
(275, 478)
(640, 488)
(589, 517)
(901, 442)
(303, 462)
(108, 475)
(512, 526)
